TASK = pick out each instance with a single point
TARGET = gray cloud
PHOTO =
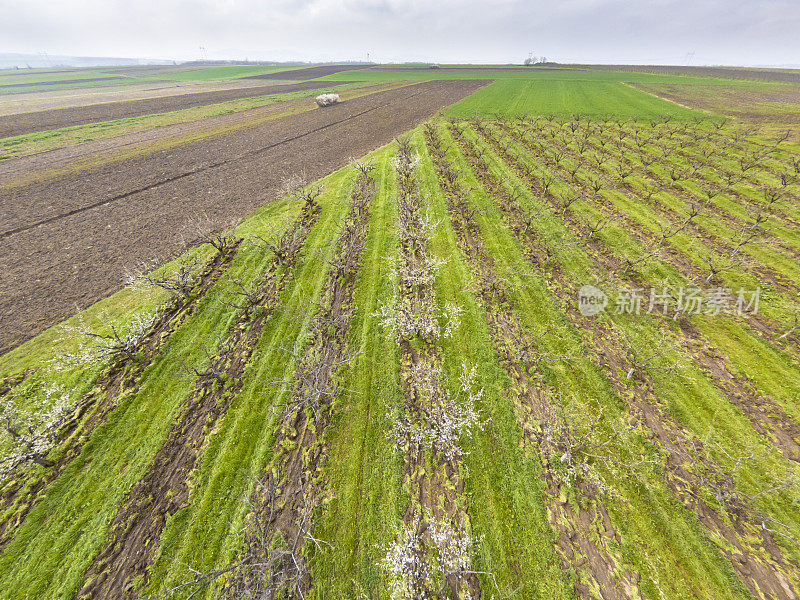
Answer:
(662, 31)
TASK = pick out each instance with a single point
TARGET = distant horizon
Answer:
(7, 57)
(759, 33)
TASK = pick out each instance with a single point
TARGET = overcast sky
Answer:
(755, 32)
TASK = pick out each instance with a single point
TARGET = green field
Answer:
(565, 98)
(127, 76)
(408, 73)
(390, 390)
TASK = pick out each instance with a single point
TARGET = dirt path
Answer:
(46, 120)
(76, 236)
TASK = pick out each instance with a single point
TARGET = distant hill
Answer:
(11, 60)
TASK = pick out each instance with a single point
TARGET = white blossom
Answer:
(97, 348)
(425, 552)
(444, 418)
(30, 433)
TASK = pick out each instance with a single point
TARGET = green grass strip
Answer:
(507, 510)
(206, 534)
(363, 470)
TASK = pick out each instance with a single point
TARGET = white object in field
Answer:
(327, 99)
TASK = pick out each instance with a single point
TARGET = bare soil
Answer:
(520, 69)
(36, 73)
(54, 98)
(67, 243)
(51, 163)
(46, 120)
(760, 104)
(308, 72)
(775, 75)
(59, 82)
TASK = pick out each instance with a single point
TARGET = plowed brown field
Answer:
(45, 120)
(68, 242)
